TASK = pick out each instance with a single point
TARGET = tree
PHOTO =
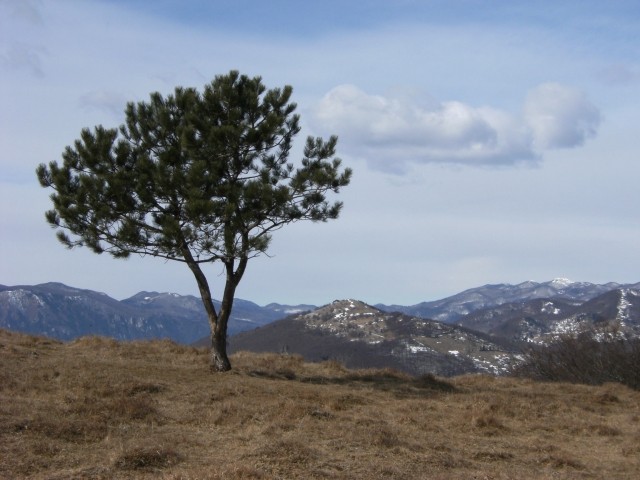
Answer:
(198, 178)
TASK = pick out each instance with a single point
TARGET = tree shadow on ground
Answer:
(397, 383)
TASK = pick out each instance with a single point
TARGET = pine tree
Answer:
(198, 178)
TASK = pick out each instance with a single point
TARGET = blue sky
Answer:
(491, 142)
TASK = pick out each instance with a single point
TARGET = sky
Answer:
(490, 141)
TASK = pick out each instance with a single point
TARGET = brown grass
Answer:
(96, 408)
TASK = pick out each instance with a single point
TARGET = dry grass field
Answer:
(95, 408)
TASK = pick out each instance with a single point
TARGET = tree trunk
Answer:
(219, 360)
(217, 320)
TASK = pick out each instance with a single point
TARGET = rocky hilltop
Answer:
(360, 336)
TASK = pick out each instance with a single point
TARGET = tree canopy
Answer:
(197, 178)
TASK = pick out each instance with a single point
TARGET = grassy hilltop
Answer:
(96, 408)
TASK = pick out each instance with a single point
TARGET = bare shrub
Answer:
(592, 358)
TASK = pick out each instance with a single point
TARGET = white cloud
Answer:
(394, 132)
(560, 116)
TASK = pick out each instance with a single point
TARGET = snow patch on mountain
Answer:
(623, 306)
(549, 307)
(499, 364)
(21, 299)
(568, 326)
(561, 282)
(417, 348)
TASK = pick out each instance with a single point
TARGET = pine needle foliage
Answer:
(196, 177)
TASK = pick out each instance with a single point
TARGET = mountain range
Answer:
(65, 313)
(453, 308)
(475, 330)
(544, 319)
(487, 339)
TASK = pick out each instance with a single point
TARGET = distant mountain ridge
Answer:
(453, 308)
(63, 312)
(528, 311)
(542, 320)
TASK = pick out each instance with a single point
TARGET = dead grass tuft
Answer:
(606, 431)
(489, 422)
(493, 455)
(114, 409)
(607, 398)
(68, 429)
(93, 341)
(385, 437)
(287, 452)
(562, 461)
(431, 382)
(148, 458)
(240, 472)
